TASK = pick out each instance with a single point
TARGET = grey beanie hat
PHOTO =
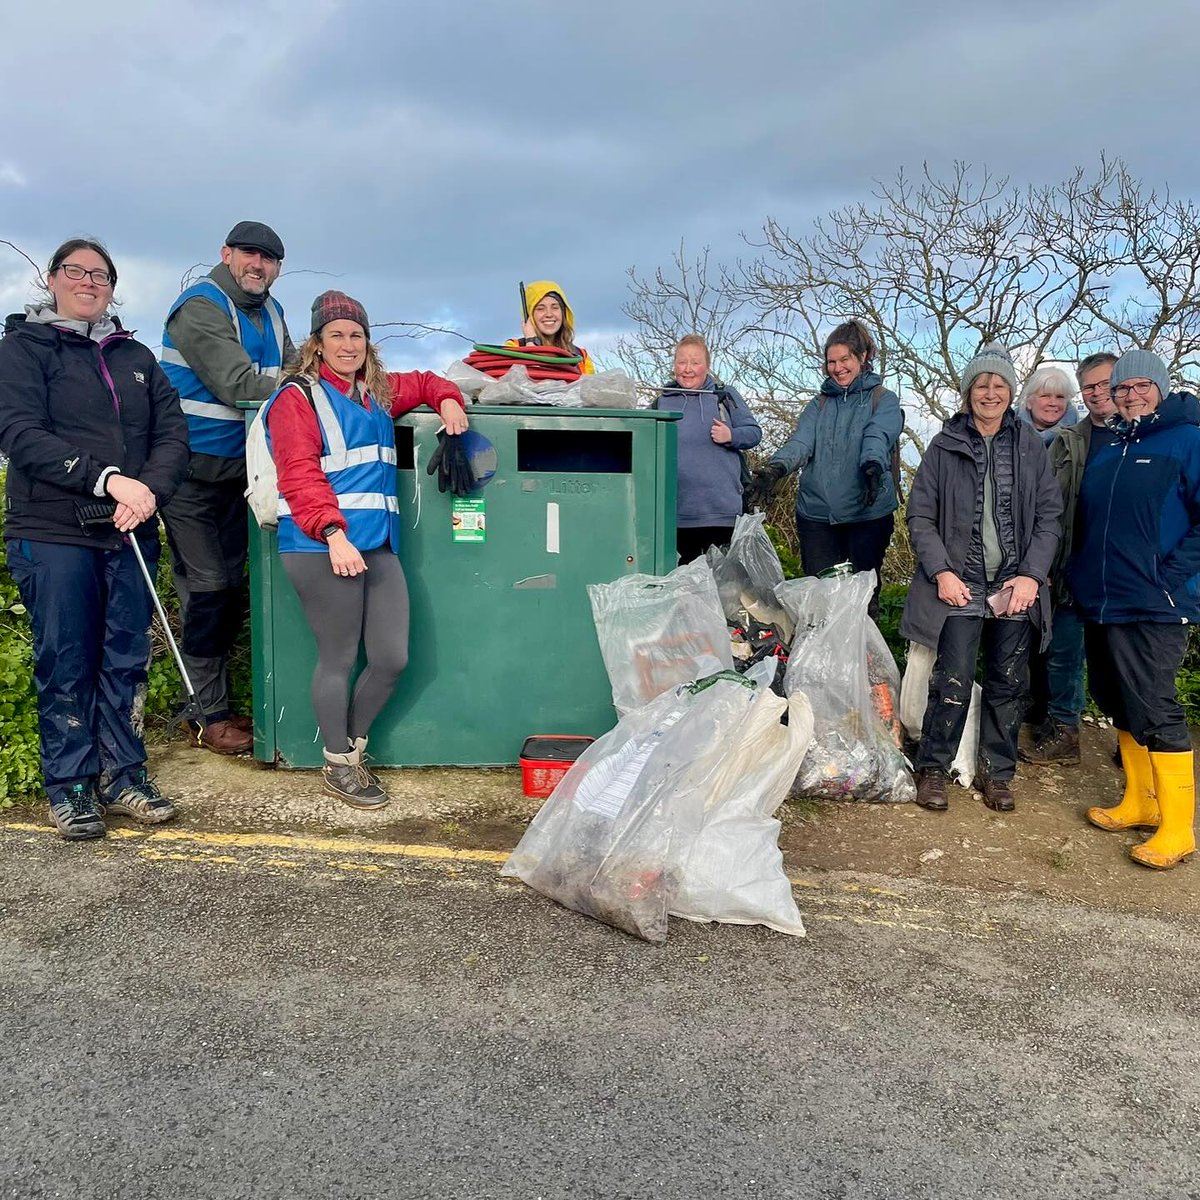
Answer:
(1142, 364)
(992, 359)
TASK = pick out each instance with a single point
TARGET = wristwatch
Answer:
(330, 530)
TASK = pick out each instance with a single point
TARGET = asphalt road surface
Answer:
(192, 1015)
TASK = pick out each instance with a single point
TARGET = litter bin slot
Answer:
(575, 451)
(404, 447)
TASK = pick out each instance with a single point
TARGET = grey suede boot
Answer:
(346, 778)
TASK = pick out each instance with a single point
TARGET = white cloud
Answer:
(11, 175)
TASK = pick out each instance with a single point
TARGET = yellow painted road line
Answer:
(283, 842)
(866, 905)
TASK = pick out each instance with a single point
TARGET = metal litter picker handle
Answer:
(192, 710)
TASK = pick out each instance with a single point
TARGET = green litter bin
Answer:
(502, 643)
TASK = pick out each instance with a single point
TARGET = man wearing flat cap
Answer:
(224, 342)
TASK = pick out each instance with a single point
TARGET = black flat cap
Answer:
(254, 235)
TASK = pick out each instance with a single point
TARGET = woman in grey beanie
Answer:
(984, 521)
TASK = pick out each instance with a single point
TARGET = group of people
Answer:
(1041, 539)
(92, 424)
(1038, 536)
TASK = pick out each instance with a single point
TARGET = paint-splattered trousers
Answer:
(89, 610)
(1005, 680)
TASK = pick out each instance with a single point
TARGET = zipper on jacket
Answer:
(1112, 491)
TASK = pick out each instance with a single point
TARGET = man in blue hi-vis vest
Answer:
(224, 341)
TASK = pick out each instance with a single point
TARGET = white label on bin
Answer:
(551, 527)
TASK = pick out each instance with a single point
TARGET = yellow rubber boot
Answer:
(1138, 808)
(1175, 786)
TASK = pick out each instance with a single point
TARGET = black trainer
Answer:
(77, 815)
(142, 801)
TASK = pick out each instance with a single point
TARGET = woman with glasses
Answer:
(984, 521)
(97, 443)
(1135, 575)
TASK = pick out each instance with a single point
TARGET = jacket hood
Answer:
(39, 320)
(865, 381)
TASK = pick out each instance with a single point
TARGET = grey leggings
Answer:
(371, 608)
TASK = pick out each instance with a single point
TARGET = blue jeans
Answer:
(90, 615)
(1064, 666)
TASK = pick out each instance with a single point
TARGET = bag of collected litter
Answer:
(733, 869)
(747, 575)
(607, 389)
(603, 843)
(515, 387)
(469, 380)
(657, 632)
(854, 754)
(914, 698)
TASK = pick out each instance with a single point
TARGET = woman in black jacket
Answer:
(984, 521)
(87, 417)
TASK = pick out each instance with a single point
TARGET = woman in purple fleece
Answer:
(716, 425)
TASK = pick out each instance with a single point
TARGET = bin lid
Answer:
(555, 747)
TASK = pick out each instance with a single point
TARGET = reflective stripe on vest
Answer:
(214, 427)
(361, 474)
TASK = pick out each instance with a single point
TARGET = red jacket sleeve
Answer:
(296, 445)
(412, 388)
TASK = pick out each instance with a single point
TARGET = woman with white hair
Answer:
(1047, 402)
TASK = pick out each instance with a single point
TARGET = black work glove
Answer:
(763, 482)
(872, 474)
(453, 467)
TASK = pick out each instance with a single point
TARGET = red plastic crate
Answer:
(546, 758)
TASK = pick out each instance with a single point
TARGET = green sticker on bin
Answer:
(468, 519)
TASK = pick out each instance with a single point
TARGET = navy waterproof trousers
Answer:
(90, 614)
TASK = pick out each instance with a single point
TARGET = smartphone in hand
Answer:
(1001, 602)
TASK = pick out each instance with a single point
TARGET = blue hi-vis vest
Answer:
(358, 455)
(216, 428)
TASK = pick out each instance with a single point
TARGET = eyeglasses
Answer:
(1139, 387)
(75, 271)
(1096, 389)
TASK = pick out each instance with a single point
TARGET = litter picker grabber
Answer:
(524, 302)
(92, 518)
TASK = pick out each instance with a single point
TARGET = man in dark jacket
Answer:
(983, 518)
(1135, 575)
(225, 341)
(1056, 740)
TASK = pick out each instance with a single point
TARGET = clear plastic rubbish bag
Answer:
(602, 843)
(608, 389)
(733, 870)
(658, 631)
(469, 380)
(855, 752)
(747, 575)
(914, 698)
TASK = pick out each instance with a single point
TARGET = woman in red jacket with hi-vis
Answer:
(332, 437)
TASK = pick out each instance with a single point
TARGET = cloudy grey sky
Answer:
(430, 156)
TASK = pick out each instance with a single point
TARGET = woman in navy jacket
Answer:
(1135, 575)
(87, 417)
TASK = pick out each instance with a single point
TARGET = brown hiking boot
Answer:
(222, 737)
(931, 789)
(997, 795)
(245, 724)
(1055, 745)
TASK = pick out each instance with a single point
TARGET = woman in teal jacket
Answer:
(842, 446)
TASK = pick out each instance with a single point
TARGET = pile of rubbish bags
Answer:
(734, 689)
(524, 383)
